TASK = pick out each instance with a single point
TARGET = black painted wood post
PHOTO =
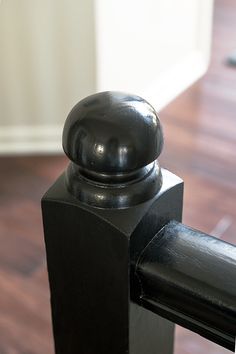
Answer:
(98, 217)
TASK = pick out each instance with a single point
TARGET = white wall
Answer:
(55, 52)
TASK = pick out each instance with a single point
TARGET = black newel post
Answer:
(118, 256)
(98, 217)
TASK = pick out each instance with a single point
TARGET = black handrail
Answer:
(189, 278)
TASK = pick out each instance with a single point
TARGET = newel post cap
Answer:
(113, 138)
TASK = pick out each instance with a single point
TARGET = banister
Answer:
(122, 268)
(189, 278)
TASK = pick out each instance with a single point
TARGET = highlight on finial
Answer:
(113, 140)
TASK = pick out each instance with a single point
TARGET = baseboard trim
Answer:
(30, 139)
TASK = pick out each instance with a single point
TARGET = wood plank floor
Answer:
(200, 146)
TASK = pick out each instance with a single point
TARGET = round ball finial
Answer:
(112, 137)
(112, 132)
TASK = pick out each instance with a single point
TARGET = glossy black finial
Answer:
(112, 138)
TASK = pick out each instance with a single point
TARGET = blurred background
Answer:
(177, 55)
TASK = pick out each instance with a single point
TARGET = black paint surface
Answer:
(112, 133)
(89, 254)
(190, 278)
(98, 216)
(116, 259)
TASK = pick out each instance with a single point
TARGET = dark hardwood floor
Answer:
(200, 146)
